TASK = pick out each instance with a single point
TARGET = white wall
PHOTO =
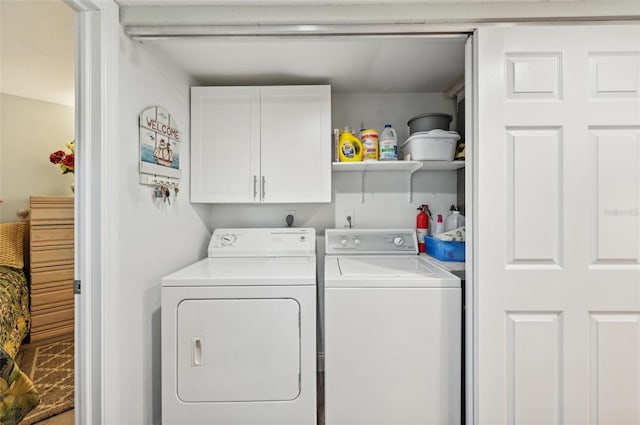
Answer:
(151, 241)
(30, 130)
(377, 109)
(386, 202)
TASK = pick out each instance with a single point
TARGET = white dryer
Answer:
(392, 326)
(239, 332)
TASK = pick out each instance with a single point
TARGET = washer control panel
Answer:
(370, 241)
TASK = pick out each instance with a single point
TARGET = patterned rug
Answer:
(50, 367)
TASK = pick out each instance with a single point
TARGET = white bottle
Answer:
(388, 144)
(453, 221)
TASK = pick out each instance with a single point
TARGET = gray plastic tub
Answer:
(428, 122)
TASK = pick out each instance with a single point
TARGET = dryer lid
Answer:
(269, 271)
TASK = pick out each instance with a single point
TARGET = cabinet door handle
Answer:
(255, 186)
(263, 187)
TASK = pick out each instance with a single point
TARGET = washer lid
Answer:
(386, 271)
(270, 271)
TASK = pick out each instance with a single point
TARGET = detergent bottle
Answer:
(369, 138)
(350, 147)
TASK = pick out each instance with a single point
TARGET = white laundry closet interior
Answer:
(374, 81)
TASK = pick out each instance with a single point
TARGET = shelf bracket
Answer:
(412, 171)
(410, 187)
(362, 186)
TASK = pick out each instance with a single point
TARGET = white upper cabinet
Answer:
(261, 144)
(225, 144)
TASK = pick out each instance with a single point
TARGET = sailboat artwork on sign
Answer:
(163, 154)
(159, 143)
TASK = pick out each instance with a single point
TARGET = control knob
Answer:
(227, 240)
(398, 241)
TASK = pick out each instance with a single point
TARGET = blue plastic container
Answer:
(444, 250)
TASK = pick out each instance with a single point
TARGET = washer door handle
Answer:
(197, 351)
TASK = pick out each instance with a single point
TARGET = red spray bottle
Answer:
(422, 226)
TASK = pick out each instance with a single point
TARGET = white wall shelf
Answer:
(408, 166)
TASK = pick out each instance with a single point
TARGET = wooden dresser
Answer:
(51, 250)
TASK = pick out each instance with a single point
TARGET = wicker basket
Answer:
(12, 244)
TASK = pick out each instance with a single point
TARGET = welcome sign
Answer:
(160, 142)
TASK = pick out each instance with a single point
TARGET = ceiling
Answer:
(37, 50)
(37, 57)
(348, 64)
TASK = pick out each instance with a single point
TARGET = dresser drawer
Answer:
(43, 235)
(53, 328)
(45, 258)
(52, 215)
(62, 329)
(52, 299)
(51, 210)
(50, 319)
(49, 278)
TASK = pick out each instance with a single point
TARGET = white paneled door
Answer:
(558, 251)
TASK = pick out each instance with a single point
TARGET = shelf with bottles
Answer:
(410, 166)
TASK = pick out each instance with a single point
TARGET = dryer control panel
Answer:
(371, 241)
(263, 242)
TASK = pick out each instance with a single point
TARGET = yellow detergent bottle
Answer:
(350, 147)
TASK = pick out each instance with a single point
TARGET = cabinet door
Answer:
(296, 143)
(225, 144)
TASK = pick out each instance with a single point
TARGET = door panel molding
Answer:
(558, 230)
(534, 360)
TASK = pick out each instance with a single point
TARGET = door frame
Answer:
(96, 83)
(471, 185)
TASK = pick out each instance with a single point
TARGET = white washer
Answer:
(392, 332)
(239, 331)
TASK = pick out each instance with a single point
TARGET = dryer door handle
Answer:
(197, 351)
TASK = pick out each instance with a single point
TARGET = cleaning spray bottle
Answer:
(350, 147)
(422, 226)
(439, 227)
